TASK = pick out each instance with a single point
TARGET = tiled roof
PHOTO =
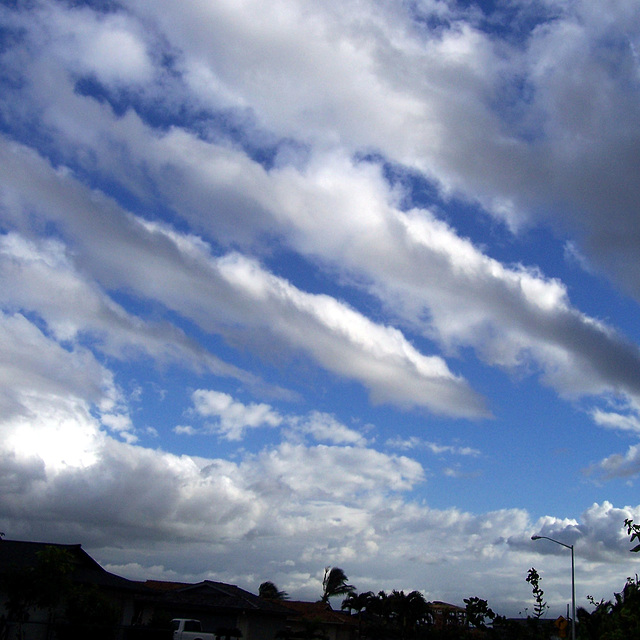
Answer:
(317, 611)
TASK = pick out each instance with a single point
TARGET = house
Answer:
(217, 605)
(47, 588)
(447, 615)
(38, 579)
(59, 587)
(305, 617)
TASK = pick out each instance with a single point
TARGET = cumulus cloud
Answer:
(619, 465)
(64, 459)
(46, 369)
(232, 417)
(161, 163)
(324, 427)
(107, 46)
(312, 504)
(599, 535)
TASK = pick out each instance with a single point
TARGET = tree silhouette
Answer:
(478, 611)
(397, 615)
(269, 591)
(613, 620)
(335, 583)
(540, 606)
(633, 530)
(358, 602)
(409, 611)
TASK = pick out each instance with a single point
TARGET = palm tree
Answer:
(334, 583)
(408, 610)
(269, 591)
(357, 602)
(379, 606)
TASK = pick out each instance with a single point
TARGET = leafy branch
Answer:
(533, 578)
(633, 530)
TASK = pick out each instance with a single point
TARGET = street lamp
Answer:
(573, 582)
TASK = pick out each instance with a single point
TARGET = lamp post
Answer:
(573, 582)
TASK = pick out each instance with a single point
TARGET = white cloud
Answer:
(108, 46)
(67, 436)
(614, 420)
(618, 465)
(623, 417)
(469, 298)
(321, 472)
(414, 442)
(345, 341)
(509, 124)
(417, 265)
(40, 276)
(119, 423)
(544, 126)
(501, 123)
(33, 366)
(179, 271)
(183, 429)
(233, 417)
(324, 427)
(291, 503)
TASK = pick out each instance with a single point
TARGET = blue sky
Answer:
(354, 284)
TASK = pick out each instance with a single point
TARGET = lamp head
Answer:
(535, 537)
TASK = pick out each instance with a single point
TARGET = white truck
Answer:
(187, 629)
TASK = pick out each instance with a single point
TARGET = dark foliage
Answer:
(540, 606)
(617, 619)
(335, 583)
(269, 591)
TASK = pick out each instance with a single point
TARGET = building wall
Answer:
(260, 627)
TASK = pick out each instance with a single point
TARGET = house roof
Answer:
(320, 611)
(209, 594)
(19, 555)
(445, 606)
